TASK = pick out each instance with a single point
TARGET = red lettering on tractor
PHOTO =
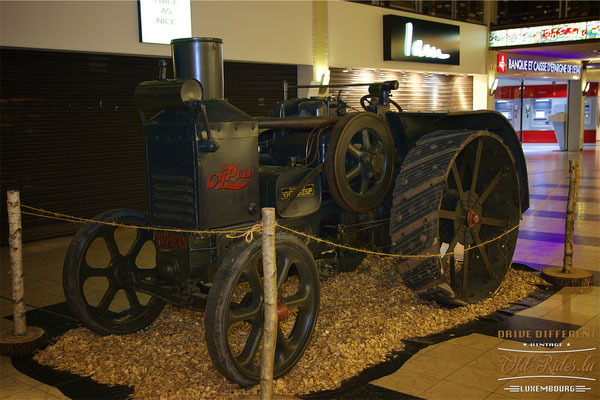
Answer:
(229, 178)
(168, 240)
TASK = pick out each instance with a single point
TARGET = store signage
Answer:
(522, 64)
(163, 20)
(501, 62)
(575, 31)
(416, 40)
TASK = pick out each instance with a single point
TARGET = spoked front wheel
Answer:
(234, 312)
(101, 264)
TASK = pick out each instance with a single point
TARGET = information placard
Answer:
(163, 20)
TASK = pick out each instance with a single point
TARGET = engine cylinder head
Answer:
(200, 58)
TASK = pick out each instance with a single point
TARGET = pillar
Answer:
(575, 115)
(320, 43)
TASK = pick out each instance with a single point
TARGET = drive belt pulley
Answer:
(456, 190)
(359, 163)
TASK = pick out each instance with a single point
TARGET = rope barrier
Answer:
(248, 234)
(425, 255)
(235, 233)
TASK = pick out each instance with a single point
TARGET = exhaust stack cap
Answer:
(200, 58)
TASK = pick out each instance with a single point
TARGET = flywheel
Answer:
(359, 163)
(456, 191)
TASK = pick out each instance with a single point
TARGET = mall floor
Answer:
(467, 368)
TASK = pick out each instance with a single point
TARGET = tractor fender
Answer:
(408, 127)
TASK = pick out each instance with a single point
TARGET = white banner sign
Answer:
(164, 20)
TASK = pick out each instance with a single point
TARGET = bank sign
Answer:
(506, 63)
(416, 40)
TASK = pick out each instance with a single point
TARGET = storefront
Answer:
(541, 85)
(533, 89)
(436, 69)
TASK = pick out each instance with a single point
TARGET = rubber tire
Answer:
(218, 300)
(73, 291)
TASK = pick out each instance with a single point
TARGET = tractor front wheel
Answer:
(234, 312)
(102, 262)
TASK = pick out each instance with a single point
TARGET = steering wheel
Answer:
(369, 103)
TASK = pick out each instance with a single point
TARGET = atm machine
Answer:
(511, 110)
(540, 103)
(540, 111)
(590, 113)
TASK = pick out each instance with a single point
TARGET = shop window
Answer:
(404, 5)
(442, 9)
(575, 9)
(511, 12)
(470, 11)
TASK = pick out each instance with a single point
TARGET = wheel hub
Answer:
(282, 310)
(472, 218)
(377, 163)
(122, 272)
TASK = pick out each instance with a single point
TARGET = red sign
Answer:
(563, 32)
(501, 62)
(169, 240)
(230, 178)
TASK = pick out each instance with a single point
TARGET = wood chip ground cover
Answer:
(364, 316)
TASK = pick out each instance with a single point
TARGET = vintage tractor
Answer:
(404, 183)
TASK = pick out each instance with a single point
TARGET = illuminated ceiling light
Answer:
(493, 87)
(322, 74)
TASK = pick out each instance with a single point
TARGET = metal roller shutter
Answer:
(71, 138)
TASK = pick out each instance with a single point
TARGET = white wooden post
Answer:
(16, 261)
(570, 220)
(270, 302)
(567, 275)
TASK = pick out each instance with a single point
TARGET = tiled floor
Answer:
(468, 367)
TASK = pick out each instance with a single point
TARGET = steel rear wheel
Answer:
(456, 190)
(101, 263)
(234, 312)
(359, 163)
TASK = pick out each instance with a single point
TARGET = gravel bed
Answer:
(364, 316)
